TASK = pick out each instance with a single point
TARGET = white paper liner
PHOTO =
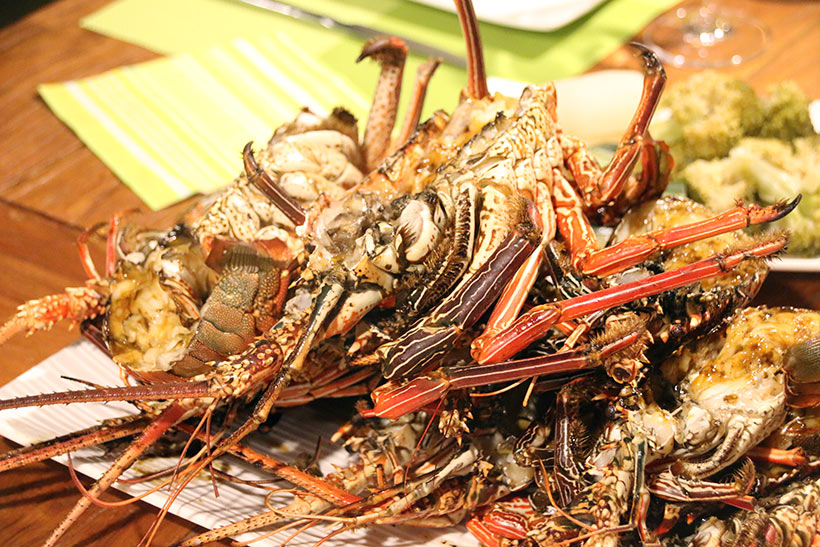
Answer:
(297, 432)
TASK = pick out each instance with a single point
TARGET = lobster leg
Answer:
(350, 385)
(532, 325)
(112, 245)
(303, 504)
(154, 431)
(74, 441)
(507, 519)
(76, 304)
(793, 457)
(656, 164)
(249, 524)
(483, 534)
(157, 392)
(393, 402)
(353, 479)
(390, 52)
(476, 75)
(511, 301)
(599, 188)
(415, 491)
(588, 259)
(413, 115)
(314, 485)
(676, 488)
(568, 472)
(268, 186)
(85, 254)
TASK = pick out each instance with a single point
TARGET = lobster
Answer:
(463, 208)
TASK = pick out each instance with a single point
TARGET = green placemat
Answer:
(172, 26)
(176, 126)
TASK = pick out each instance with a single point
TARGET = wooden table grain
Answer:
(52, 187)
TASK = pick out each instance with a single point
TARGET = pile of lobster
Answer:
(539, 385)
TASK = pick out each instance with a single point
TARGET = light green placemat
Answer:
(176, 126)
(171, 26)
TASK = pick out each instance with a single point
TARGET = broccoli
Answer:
(766, 171)
(718, 184)
(706, 115)
(786, 112)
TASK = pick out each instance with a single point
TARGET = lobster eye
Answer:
(803, 361)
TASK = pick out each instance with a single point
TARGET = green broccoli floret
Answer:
(786, 112)
(779, 169)
(768, 165)
(706, 115)
(766, 171)
(718, 184)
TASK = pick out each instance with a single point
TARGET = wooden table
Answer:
(52, 187)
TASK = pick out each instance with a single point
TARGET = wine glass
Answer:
(705, 35)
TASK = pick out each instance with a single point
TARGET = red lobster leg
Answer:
(599, 188)
(482, 533)
(536, 322)
(506, 519)
(735, 492)
(149, 436)
(68, 443)
(315, 485)
(393, 402)
(794, 457)
(414, 107)
(476, 75)
(76, 304)
(509, 305)
(637, 248)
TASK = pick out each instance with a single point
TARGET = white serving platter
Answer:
(297, 432)
(796, 264)
(538, 15)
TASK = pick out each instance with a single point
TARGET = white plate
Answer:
(540, 15)
(295, 433)
(795, 264)
(581, 111)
